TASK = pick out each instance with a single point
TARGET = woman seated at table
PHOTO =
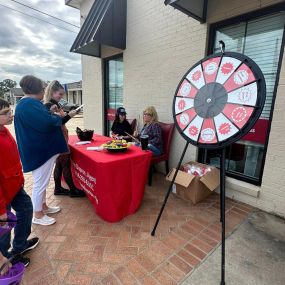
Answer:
(152, 129)
(121, 126)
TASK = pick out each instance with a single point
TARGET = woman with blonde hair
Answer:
(152, 129)
(53, 93)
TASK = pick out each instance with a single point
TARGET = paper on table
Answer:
(98, 148)
(83, 142)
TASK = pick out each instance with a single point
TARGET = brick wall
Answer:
(162, 43)
(91, 84)
(219, 10)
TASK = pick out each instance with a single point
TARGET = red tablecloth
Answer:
(113, 182)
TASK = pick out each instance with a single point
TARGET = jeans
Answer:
(23, 207)
(154, 150)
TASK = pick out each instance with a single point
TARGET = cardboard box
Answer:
(195, 188)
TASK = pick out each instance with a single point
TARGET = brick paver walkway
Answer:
(82, 249)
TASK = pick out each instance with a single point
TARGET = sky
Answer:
(30, 46)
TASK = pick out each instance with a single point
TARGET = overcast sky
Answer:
(30, 46)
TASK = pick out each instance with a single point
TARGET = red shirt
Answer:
(11, 174)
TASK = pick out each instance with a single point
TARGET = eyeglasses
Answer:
(7, 113)
(147, 114)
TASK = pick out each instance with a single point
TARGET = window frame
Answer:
(105, 68)
(210, 49)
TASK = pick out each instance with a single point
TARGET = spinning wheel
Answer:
(219, 100)
(216, 103)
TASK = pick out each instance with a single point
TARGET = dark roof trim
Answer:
(190, 11)
(105, 25)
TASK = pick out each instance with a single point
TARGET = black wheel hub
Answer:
(210, 100)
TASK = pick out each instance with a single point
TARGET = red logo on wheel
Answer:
(181, 105)
(193, 131)
(224, 128)
(196, 75)
(227, 68)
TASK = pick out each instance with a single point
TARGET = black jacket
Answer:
(120, 128)
(52, 102)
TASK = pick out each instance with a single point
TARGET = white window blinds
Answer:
(260, 39)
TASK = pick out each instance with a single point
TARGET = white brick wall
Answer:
(92, 85)
(219, 9)
(162, 43)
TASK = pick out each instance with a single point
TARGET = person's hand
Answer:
(3, 217)
(72, 113)
(54, 108)
(2, 261)
(114, 136)
(135, 134)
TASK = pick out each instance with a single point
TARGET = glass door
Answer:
(114, 81)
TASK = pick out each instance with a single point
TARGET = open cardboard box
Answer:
(195, 188)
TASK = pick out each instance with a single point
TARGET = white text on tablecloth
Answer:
(83, 176)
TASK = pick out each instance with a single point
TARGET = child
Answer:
(12, 193)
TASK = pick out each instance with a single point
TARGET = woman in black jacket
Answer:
(53, 94)
(121, 126)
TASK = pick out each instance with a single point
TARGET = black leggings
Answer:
(62, 167)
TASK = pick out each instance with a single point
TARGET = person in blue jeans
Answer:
(12, 193)
(152, 129)
(23, 207)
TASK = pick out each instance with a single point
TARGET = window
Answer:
(114, 80)
(260, 39)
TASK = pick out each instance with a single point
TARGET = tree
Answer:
(6, 85)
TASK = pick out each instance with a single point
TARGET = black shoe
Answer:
(77, 193)
(61, 191)
(26, 261)
(20, 258)
(32, 243)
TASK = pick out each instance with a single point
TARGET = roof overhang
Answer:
(73, 3)
(104, 26)
(196, 9)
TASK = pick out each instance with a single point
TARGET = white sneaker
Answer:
(52, 210)
(44, 221)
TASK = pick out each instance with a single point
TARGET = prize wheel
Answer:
(219, 100)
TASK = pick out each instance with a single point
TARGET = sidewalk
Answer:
(255, 255)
